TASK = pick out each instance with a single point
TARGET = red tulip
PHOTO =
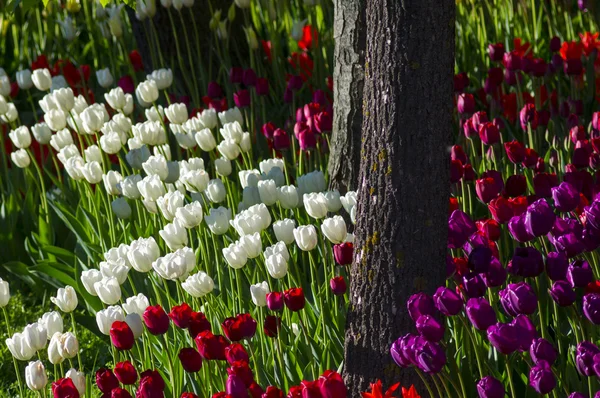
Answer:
(188, 395)
(236, 352)
(243, 371)
(136, 60)
(235, 387)
(487, 189)
(121, 335)
(272, 325)
(154, 378)
(64, 388)
(273, 392)
(156, 320)
(310, 389)
(106, 380)
(198, 323)
(501, 209)
(125, 372)
(211, 346)
(181, 314)
(191, 361)
(515, 151)
(120, 393)
(240, 327)
(332, 385)
(294, 299)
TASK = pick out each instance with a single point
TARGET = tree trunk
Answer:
(404, 185)
(349, 33)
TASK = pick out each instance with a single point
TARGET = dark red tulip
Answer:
(515, 151)
(191, 361)
(121, 335)
(156, 320)
(198, 323)
(487, 189)
(120, 393)
(272, 325)
(242, 98)
(281, 140)
(501, 209)
(125, 372)
(465, 103)
(262, 86)
(236, 352)
(294, 299)
(106, 380)
(489, 133)
(236, 74)
(243, 371)
(496, 51)
(181, 314)
(343, 253)
(64, 388)
(211, 346)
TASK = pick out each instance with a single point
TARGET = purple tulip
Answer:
(503, 336)
(398, 353)
(420, 304)
(473, 285)
(242, 98)
(597, 364)
(525, 331)
(490, 387)
(579, 273)
(520, 298)
(214, 90)
(465, 103)
(584, 358)
(592, 214)
(542, 350)
(516, 227)
(528, 116)
(591, 307)
(480, 313)
(430, 328)
(541, 378)
(526, 262)
(447, 301)
(556, 266)
(430, 357)
(479, 259)
(295, 83)
(566, 197)
(539, 218)
(577, 395)
(460, 228)
(562, 293)
(496, 274)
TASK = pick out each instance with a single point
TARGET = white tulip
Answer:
(68, 346)
(64, 99)
(163, 78)
(284, 230)
(20, 158)
(61, 139)
(55, 119)
(105, 318)
(276, 266)
(334, 229)
(177, 113)
(230, 116)
(52, 322)
(169, 203)
(174, 235)
(108, 290)
(259, 292)
(35, 376)
(66, 299)
(19, 347)
(218, 220)
(35, 336)
(53, 349)
(42, 79)
(235, 256)
(229, 149)
(251, 244)
(105, 78)
(306, 237)
(24, 79)
(115, 98)
(223, 166)
(20, 137)
(268, 192)
(92, 172)
(137, 156)
(151, 188)
(156, 165)
(134, 321)
(205, 140)
(195, 180)
(175, 265)
(315, 205)
(136, 304)
(190, 215)
(89, 278)
(288, 197)
(147, 91)
(142, 253)
(198, 285)
(215, 191)
(4, 293)
(249, 178)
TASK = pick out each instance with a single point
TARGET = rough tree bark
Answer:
(404, 185)
(349, 33)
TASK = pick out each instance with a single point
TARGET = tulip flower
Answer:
(156, 320)
(294, 299)
(191, 361)
(490, 387)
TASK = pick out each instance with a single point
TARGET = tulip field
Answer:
(168, 228)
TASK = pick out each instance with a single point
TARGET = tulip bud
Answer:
(35, 376)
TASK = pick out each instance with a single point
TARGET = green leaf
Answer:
(52, 271)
